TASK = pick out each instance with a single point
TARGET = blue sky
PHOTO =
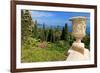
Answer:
(57, 18)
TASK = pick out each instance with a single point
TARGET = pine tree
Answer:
(50, 35)
(26, 25)
(62, 35)
(42, 36)
(65, 35)
(46, 34)
(66, 32)
(35, 30)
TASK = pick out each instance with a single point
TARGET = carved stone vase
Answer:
(77, 50)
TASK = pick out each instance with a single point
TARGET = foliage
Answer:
(35, 30)
(31, 52)
(86, 41)
(26, 25)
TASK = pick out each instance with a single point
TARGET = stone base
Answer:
(77, 52)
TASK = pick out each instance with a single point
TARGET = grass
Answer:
(39, 55)
(52, 52)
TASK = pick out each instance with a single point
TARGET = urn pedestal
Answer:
(78, 50)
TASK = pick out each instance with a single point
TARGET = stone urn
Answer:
(78, 50)
(78, 27)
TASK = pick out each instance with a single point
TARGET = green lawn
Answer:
(35, 51)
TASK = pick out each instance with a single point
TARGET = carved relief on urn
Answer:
(78, 26)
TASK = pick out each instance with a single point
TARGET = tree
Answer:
(71, 39)
(86, 41)
(46, 34)
(26, 25)
(50, 35)
(66, 32)
(64, 35)
(35, 30)
(57, 33)
(42, 36)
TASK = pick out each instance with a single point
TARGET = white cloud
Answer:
(41, 14)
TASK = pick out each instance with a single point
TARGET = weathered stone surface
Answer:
(78, 26)
(77, 51)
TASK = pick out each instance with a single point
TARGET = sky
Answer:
(57, 18)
